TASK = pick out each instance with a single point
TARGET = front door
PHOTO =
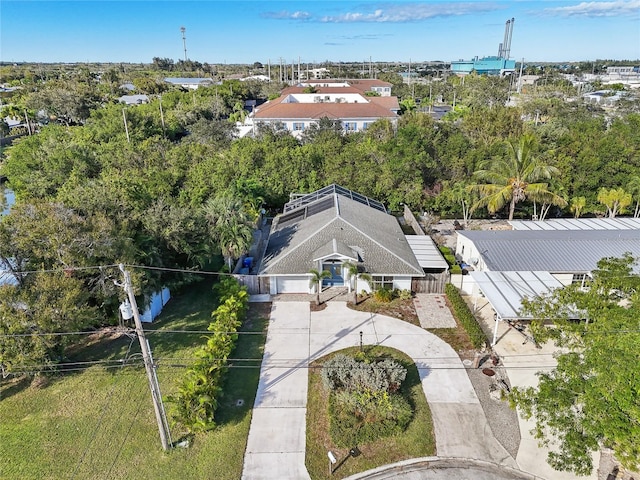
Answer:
(336, 279)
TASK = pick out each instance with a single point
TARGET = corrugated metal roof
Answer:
(505, 290)
(620, 223)
(558, 251)
(426, 252)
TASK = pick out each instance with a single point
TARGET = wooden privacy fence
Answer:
(255, 284)
(430, 283)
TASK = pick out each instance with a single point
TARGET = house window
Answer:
(582, 279)
(350, 126)
(365, 125)
(381, 281)
(298, 126)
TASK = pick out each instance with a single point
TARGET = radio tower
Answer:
(184, 42)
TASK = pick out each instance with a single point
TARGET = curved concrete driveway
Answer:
(276, 443)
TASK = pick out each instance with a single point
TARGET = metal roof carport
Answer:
(505, 290)
(426, 252)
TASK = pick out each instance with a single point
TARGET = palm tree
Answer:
(355, 274)
(316, 281)
(633, 187)
(515, 178)
(577, 206)
(616, 200)
(229, 226)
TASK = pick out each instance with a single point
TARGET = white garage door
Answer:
(293, 285)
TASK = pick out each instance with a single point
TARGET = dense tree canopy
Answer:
(107, 183)
(591, 399)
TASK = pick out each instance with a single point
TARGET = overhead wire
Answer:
(103, 413)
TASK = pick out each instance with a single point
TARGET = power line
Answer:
(211, 332)
(103, 413)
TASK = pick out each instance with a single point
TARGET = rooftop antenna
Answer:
(184, 42)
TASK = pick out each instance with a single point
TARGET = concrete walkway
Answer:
(276, 444)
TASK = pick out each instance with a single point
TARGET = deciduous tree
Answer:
(590, 400)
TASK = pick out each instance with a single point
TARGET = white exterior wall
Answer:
(360, 124)
(465, 283)
(564, 278)
(466, 249)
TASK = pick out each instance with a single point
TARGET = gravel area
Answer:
(502, 419)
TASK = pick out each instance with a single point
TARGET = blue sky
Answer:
(315, 31)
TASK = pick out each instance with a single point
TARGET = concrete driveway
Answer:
(276, 443)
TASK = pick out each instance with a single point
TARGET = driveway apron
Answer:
(276, 443)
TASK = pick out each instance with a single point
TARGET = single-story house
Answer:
(136, 99)
(190, 83)
(324, 230)
(569, 255)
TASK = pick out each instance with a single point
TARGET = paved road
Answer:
(276, 444)
(434, 468)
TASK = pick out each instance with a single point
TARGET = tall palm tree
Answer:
(633, 187)
(354, 274)
(316, 281)
(515, 178)
(230, 226)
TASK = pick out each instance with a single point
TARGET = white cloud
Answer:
(597, 9)
(285, 15)
(409, 12)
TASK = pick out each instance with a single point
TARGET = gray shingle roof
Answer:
(375, 235)
(552, 251)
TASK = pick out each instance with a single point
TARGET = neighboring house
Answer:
(538, 257)
(569, 255)
(190, 83)
(325, 229)
(134, 99)
(361, 85)
(298, 110)
(605, 97)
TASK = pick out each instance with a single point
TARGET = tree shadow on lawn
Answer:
(189, 309)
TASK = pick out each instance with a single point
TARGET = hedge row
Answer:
(465, 317)
(451, 259)
(197, 397)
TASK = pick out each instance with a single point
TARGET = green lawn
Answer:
(417, 441)
(100, 423)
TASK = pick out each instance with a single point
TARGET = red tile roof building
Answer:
(337, 100)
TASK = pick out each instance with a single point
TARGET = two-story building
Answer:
(301, 106)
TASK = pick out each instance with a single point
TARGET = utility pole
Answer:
(184, 42)
(161, 416)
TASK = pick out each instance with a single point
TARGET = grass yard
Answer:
(417, 441)
(99, 423)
